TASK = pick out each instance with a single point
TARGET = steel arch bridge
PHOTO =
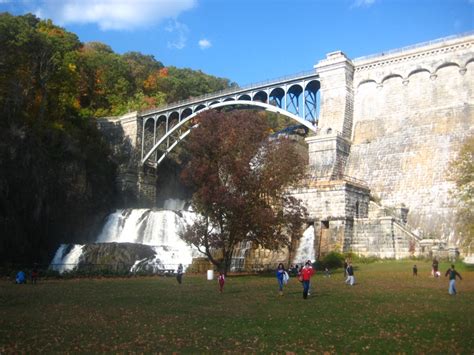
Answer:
(296, 97)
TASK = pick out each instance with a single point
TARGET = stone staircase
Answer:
(384, 234)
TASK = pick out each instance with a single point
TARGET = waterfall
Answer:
(238, 259)
(66, 257)
(174, 204)
(305, 249)
(159, 229)
(146, 226)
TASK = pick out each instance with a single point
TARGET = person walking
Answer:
(311, 266)
(280, 274)
(350, 274)
(415, 270)
(434, 268)
(34, 275)
(179, 273)
(452, 280)
(305, 273)
(221, 281)
(296, 270)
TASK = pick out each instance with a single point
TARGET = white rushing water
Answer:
(65, 260)
(305, 249)
(238, 260)
(159, 229)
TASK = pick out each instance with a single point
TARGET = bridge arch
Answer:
(189, 118)
(199, 107)
(161, 125)
(260, 96)
(293, 103)
(245, 97)
(186, 112)
(311, 100)
(277, 97)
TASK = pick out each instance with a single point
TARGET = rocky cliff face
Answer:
(120, 256)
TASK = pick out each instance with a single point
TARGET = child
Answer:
(350, 274)
(280, 274)
(452, 279)
(221, 280)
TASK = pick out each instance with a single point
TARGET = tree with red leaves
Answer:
(240, 176)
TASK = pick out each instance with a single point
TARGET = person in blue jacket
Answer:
(280, 274)
(20, 277)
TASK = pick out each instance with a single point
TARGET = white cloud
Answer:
(113, 14)
(363, 3)
(204, 43)
(181, 31)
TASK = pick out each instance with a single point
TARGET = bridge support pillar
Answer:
(136, 184)
(147, 187)
(336, 76)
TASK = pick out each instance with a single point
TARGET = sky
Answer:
(249, 41)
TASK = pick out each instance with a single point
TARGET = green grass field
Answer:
(387, 311)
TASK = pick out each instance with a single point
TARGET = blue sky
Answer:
(253, 40)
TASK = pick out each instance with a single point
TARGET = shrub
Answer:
(360, 259)
(333, 260)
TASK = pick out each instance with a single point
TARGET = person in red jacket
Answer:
(306, 273)
(221, 281)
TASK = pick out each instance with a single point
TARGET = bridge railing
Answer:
(227, 91)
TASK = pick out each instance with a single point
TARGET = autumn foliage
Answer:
(239, 176)
(462, 174)
(57, 173)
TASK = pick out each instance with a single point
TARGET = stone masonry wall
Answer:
(137, 186)
(328, 155)
(412, 111)
(336, 199)
(333, 205)
(336, 76)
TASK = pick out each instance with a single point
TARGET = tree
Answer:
(56, 173)
(462, 174)
(240, 177)
(106, 81)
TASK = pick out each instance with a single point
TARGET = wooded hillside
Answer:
(56, 172)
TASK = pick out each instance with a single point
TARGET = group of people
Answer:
(220, 278)
(306, 271)
(21, 276)
(304, 275)
(451, 272)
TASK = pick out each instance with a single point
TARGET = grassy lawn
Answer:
(386, 311)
